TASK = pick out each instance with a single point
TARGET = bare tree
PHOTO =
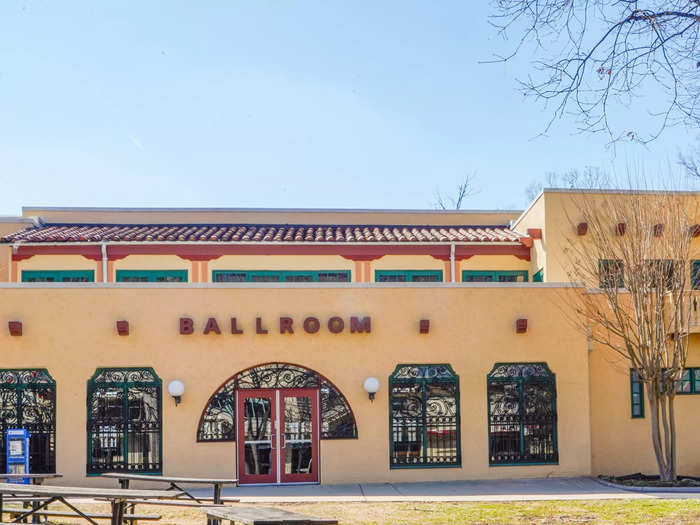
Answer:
(596, 56)
(636, 254)
(690, 162)
(589, 177)
(465, 190)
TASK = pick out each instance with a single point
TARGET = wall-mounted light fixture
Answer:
(371, 386)
(176, 388)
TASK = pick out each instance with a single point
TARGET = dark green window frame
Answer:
(281, 276)
(636, 395)
(424, 424)
(494, 276)
(124, 421)
(151, 276)
(522, 415)
(538, 276)
(58, 276)
(408, 276)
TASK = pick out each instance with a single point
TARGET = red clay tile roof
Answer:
(380, 233)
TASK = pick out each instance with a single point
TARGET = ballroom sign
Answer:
(286, 325)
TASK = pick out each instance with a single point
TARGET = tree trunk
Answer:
(663, 433)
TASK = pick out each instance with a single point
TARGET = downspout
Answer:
(104, 263)
(452, 262)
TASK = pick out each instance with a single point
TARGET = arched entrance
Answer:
(276, 413)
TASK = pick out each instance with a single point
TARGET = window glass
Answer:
(637, 394)
(58, 276)
(286, 276)
(522, 414)
(151, 276)
(695, 274)
(494, 276)
(408, 276)
(424, 416)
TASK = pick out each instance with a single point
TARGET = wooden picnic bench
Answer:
(94, 515)
(249, 515)
(116, 497)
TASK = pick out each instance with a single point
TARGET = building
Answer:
(272, 320)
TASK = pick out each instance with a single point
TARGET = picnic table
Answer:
(263, 516)
(174, 482)
(36, 479)
(117, 497)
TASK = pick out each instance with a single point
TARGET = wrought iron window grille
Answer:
(522, 414)
(424, 417)
(28, 401)
(124, 421)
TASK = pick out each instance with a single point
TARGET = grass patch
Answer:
(647, 511)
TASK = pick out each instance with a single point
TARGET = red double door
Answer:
(277, 436)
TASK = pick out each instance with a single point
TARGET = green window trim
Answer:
(494, 276)
(128, 430)
(58, 276)
(538, 276)
(151, 276)
(636, 395)
(418, 424)
(407, 276)
(281, 276)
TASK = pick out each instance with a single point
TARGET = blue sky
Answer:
(274, 104)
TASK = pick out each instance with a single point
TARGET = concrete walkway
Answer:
(539, 489)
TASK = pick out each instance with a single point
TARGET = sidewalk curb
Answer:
(657, 490)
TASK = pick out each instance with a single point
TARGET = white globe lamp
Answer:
(371, 386)
(176, 388)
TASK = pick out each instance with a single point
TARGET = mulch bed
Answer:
(643, 480)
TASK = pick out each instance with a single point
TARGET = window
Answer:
(494, 276)
(280, 276)
(522, 411)
(424, 417)
(538, 277)
(408, 276)
(151, 276)
(217, 422)
(663, 272)
(611, 273)
(690, 382)
(637, 394)
(58, 276)
(124, 421)
(695, 274)
(28, 400)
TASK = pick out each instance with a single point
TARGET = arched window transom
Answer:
(218, 419)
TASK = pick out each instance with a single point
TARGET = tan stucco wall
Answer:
(622, 445)
(534, 217)
(71, 332)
